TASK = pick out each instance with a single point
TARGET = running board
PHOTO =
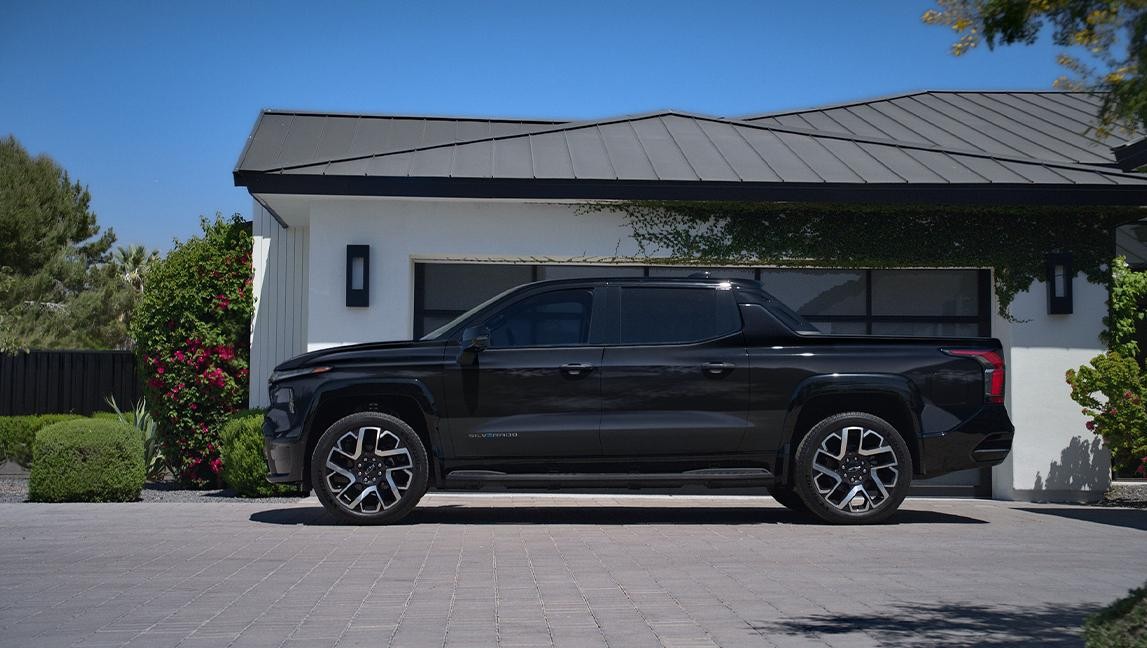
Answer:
(712, 477)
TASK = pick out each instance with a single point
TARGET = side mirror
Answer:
(475, 339)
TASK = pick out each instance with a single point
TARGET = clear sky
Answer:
(149, 103)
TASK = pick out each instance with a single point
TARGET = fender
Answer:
(852, 385)
(367, 386)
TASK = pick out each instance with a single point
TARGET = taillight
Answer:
(994, 372)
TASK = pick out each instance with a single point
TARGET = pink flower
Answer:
(154, 383)
(159, 369)
(180, 357)
(222, 302)
(194, 406)
(216, 465)
(1090, 425)
(225, 353)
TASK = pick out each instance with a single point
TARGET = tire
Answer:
(852, 468)
(788, 498)
(398, 476)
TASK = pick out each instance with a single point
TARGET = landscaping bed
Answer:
(15, 490)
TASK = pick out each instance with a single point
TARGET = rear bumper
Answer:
(983, 440)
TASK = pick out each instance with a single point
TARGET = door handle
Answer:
(576, 368)
(718, 367)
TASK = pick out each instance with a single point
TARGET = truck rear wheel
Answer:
(852, 468)
(369, 468)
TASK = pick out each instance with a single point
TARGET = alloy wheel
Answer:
(368, 469)
(855, 469)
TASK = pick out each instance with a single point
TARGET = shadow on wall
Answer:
(950, 624)
(1083, 466)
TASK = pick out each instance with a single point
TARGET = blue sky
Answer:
(149, 103)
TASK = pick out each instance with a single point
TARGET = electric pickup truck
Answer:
(636, 383)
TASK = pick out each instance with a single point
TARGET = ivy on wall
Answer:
(1014, 241)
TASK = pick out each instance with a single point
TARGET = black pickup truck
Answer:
(631, 383)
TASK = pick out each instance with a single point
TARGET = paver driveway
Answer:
(568, 571)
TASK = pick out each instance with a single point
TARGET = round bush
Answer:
(87, 460)
(1123, 624)
(18, 433)
(244, 467)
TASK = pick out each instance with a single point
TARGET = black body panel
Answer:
(577, 405)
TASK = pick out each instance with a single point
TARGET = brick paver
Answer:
(564, 571)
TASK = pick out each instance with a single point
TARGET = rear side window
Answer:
(668, 315)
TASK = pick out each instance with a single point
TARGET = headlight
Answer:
(277, 376)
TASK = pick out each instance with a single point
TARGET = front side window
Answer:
(558, 318)
(676, 315)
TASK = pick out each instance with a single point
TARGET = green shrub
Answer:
(192, 330)
(1123, 624)
(87, 460)
(17, 434)
(244, 468)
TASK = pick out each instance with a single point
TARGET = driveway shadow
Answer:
(964, 625)
(605, 515)
(1130, 518)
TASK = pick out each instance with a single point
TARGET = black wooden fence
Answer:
(51, 382)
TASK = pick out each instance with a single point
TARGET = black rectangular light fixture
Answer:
(1059, 277)
(357, 276)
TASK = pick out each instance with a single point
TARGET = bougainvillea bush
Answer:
(192, 331)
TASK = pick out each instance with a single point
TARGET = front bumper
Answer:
(284, 446)
(983, 440)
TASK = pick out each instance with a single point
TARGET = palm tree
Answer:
(132, 262)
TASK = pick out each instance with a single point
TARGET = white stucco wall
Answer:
(1054, 456)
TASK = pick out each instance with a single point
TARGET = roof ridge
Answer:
(897, 95)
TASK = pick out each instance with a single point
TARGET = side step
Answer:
(711, 477)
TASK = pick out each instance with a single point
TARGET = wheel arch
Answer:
(888, 396)
(409, 400)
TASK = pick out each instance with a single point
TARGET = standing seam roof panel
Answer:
(860, 161)
(1035, 173)
(855, 125)
(969, 115)
(588, 152)
(1066, 128)
(626, 155)
(779, 157)
(300, 146)
(266, 142)
(512, 158)
(965, 136)
(946, 166)
(894, 129)
(699, 150)
(434, 162)
(1069, 145)
(667, 159)
(474, 160)
(992, 169)
(1035, 143)
(820, 159)
(338, 133)
(954, 134)
(395, 164)
(551, 156)
(1068, 110)
(745, 162)
(900, 162)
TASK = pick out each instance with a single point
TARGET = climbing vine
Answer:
(1014, 241)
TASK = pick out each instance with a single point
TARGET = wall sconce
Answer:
(357, 276)
(1059, 277)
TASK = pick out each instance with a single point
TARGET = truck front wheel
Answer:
(369, 468)
(852, 468)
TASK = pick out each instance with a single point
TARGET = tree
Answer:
(58, 287)
(1111, 32)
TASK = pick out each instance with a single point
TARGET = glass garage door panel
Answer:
(925, 292)
(818, 292)
(459, 286)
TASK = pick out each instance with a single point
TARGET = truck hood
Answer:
(351, 353)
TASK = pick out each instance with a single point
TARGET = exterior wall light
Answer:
(1059, 277)
(357, 276)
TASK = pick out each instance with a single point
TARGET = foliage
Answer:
(140, 418)
(877, 236)
(58, 288)
(192, 331)
(1128, 289)
(244, 466)
(1123, 624)
(1112, 388)
(87, 460)
(1112, 32)
(17, 434)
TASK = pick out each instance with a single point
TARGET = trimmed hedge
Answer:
(1123, 624)
(17, 434)
(244, 466)
(87, 460)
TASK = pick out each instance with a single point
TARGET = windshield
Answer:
(441, 330)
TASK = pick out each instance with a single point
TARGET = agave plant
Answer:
(140, 419)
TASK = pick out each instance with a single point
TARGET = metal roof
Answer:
(666, 154)
(1052, 126)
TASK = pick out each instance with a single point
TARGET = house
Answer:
(373, 227)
